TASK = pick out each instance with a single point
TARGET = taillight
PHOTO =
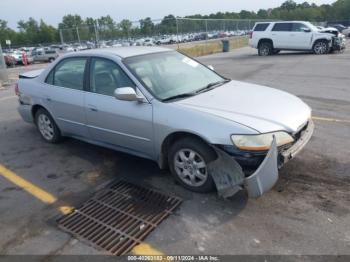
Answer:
(250, 34)
(17, 89)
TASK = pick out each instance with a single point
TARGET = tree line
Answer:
(33, 32)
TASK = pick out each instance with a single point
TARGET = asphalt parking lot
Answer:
(307, 212)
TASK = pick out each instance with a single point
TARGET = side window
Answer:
(261, 27)
(69, 73)
(282, 27)
(298, 27)
(106, 76)
(49, 78)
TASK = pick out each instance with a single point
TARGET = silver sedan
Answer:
(156, 103)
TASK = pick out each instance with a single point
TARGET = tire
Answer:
(51, 59)
(265, 49)
(47, 127)
(188, 159)
(321, 47)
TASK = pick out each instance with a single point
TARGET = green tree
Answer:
(125, 26)
(71, 21)
(146, 26)
(6, 33)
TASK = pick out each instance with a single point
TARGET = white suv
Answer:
(272, 37)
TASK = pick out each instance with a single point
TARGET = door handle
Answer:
(48, 99)
(92, 108)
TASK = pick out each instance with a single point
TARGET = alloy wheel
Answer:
(190, 167)
(320, 48)
(46, 127)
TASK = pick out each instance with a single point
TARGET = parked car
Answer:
(18, 56)
(272, 37)
(341, 28)
(10, 61)
(44, 55)
(158, 104)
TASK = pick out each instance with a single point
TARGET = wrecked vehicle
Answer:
(338, 40)
(159, 104)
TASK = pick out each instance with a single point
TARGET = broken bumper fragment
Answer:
(229, 177)
(266, 176)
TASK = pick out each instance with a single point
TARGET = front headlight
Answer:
(260, 142)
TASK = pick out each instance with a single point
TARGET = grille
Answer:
(119, 217)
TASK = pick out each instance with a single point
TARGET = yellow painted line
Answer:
(65, 210)
(330, 119)
(32, 189)
(47, 198)
(7, 98)
(146, 250)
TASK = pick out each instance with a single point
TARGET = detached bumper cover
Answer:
(266, 176)
(229, 177)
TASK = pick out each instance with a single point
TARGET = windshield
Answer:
(171, 74)
(311, 26)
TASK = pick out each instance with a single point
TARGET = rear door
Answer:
(280, 34)
(124, 124)
(64, 95)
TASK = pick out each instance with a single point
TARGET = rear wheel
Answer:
(321, 47)
(188, 161)
(51, 59)
(47, 127)
(265, 49)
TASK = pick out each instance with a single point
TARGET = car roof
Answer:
(126, 51)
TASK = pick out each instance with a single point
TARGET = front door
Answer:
(124, 124)
(300, 38)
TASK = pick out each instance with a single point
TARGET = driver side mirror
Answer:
(211, 67)
(127, 94)
(307, 30)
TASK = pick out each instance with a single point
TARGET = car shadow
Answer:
(115, 166)
(76, 170)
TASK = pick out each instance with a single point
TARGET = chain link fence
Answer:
(176, 32)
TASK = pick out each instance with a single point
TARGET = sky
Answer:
(52, 11)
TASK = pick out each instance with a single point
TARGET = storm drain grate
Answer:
(119, 217)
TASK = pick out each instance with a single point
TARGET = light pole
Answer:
(3, 71)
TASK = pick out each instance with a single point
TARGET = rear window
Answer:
(50, 51)
(261, 27)
(282, 27)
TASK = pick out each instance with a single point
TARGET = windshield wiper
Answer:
(212, 85)
(206, 88)
(178, 96)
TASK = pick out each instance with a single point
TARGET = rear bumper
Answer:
(26, 112)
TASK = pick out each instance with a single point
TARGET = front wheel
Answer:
(321, 47)
(188, 161)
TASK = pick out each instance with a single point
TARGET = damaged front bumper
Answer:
(229, 177)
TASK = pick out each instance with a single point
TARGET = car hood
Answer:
(261, 108)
